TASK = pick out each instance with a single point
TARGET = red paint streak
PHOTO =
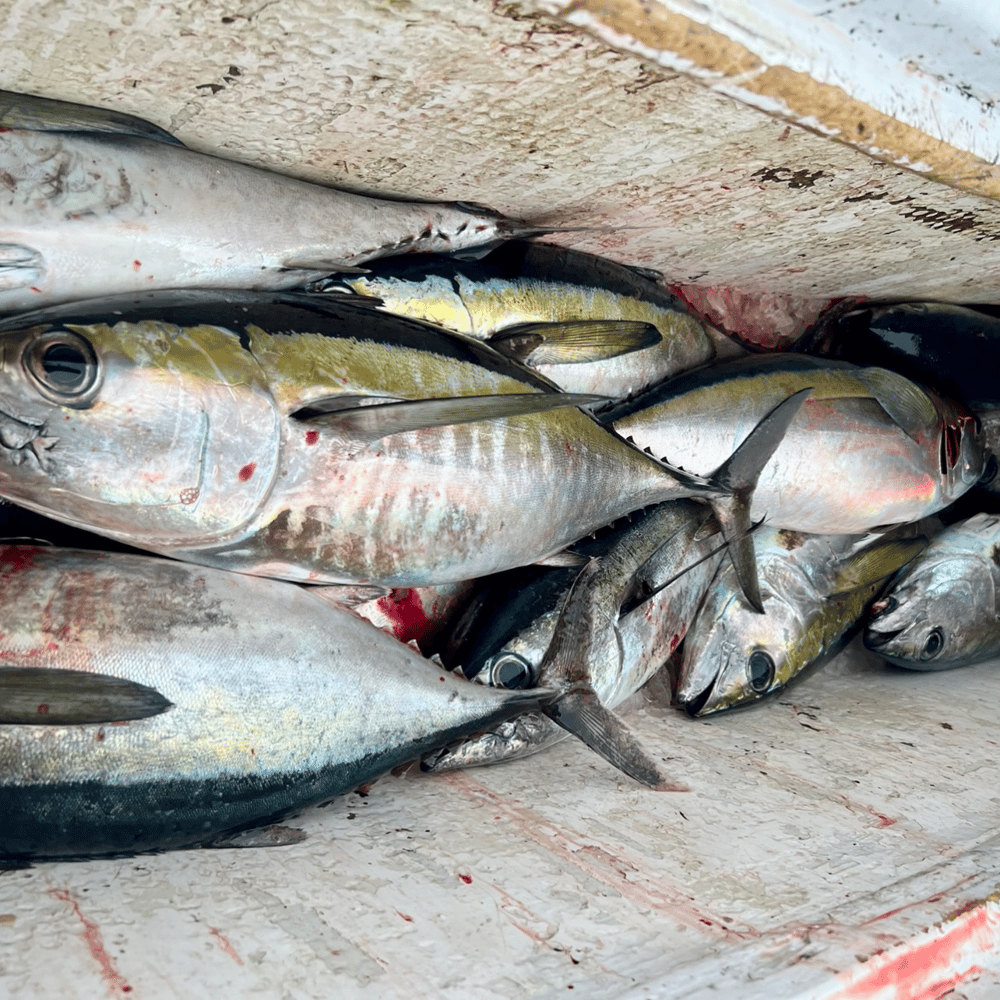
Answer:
(116, 982)
(247, 471)
(32, 287)
(312, 437)
(467, 879)
(223, 942)
(405, 916)
(136, 264)
(929, 969)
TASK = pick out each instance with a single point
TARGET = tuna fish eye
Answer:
(760, 670)
(933, 645)
(509, 670)
(63, 367)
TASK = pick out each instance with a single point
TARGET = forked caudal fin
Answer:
(580, 712)
(733, 483)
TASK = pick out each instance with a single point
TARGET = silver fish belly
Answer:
(868, 448)
(816, 591)
(506, 643)
(943, 611)
(150, 705)
(98, 208)
(293, 437)
(521, 297)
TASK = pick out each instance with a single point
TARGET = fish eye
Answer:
(64, 368)
(760, 670)
(933, 645)
(509, 670)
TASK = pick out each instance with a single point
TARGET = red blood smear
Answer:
(406, 612)
(95, 944)
(43, 709)
(467, 879)
(312, 437)
(247, 471)
(14, 558)
(224, 944)
(136, 264)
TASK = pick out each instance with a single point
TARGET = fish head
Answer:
(734, 656)
(143, 430)
(937, 616)
(963, 451)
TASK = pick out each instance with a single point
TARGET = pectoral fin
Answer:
(905, 402)
(875, 563)
(39, 696)
(370, 423)
(574, 341)
(264, 836)
(581, 713)
(41, 114)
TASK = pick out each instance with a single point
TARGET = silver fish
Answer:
(943, 611)
(317, 441)
(816, 591)
(147, 705)
(644, 586)
(868, 449)
(98, 203)
(585, 322)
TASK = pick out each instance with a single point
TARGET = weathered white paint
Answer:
(934, 64)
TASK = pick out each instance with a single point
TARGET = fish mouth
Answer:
(695, 704)
(874, 639)
(21, 438)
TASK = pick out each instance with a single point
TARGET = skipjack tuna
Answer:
(953, 349)
(98, 203)
(589, 324)
(868, 449)
(647, 581)
(147, 705)
(816, 588)
(318, 441)
(943, 610)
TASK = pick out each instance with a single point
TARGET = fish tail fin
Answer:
(580, 712)
(733, 484)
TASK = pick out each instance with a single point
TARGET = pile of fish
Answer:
(556, 469)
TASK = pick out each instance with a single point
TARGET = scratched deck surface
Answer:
(846, 831)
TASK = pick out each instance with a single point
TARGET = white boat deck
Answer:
(838, 842)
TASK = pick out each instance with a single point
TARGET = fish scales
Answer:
(200, 454)
(816, 589)
(97, 212)
(520, 283)
(845, 465)
(274, 700)
(943, 610)
(513, 623)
